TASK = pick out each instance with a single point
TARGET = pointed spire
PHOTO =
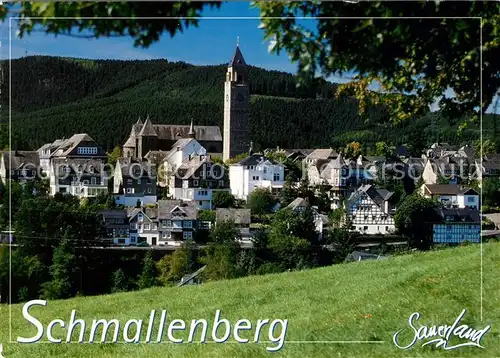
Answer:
(191, 133)
(237, 41)
(250, 149)
(148, 129)
(237, 59)
(139, 122)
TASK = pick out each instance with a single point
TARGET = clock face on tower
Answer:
(239, 97)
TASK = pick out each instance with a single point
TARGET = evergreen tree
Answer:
(120, 282)
(62, 269)
(148, 276)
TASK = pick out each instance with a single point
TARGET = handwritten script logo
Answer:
(441, 335)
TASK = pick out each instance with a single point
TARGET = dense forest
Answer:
(55, 97)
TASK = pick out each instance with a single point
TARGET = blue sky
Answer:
(212, 42)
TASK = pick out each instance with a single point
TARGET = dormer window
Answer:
(91, 169)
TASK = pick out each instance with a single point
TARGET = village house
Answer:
(77, 167)
(177, 222)
(134, 182)
(240, 217)
(452, 195)
(18, 165)
(143, 225)
(116, 225)
(457, 226)
(371, 211)
(299, 205)
(255, 171)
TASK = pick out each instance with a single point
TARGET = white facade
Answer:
(244, 179)
(462, 198)
(368, 217)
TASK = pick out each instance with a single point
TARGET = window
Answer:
(164, 223)
(155, 227)
(130, 190)
(147, 226)
(195, 182)
(133, 226)
(129, 181)
(68, 169)
(132, 239)
(87, 150)
(149, 190)
(169, 223)
(188, 235)
(138, 181)
(265, 170)
(188, 224)
(255, 177)
(91, 169)
(140, 217)
(276, 176)
(221, 182)
(470, 199)
(92, 181)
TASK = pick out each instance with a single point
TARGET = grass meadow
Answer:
(363, 301)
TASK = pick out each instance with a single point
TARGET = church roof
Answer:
(130, 143)
(174, 132)
(148, 129)
(237, 59)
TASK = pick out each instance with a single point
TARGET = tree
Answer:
(120, 282)
(173, 267)
(225, 231)
(414, 219)
(403, 56)
(223, 199)
(148, 276)
(352, 150)
(260, 201)
(289, 192)
(114, 155)
(383, 149)
(62, 269)
(491, 191)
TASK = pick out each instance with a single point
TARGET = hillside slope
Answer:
(56, 97)
(362, 301)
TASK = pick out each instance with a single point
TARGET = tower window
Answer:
(239, 79)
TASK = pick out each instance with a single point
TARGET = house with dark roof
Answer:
(134, 182)
(457, 226)
(197, 179)
(18, 165)
(115, 224)
(255, 171)
(321, 222)
(241, 218)
(143, 225)
(371, 210)
(452, 195)
(75, 166)
(452, 168)
(177, 221)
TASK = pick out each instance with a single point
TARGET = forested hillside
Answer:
(56, 97)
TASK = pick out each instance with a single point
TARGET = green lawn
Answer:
(362, 301)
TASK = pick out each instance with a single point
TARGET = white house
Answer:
(452, 195)
(143, 225)
(370, 211)
(255, 171)
(76, 166)
(134, 182)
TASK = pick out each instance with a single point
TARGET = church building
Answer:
(147, 137)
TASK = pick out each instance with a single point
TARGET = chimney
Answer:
(179, 157)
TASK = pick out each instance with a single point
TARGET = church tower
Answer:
(236, 108)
